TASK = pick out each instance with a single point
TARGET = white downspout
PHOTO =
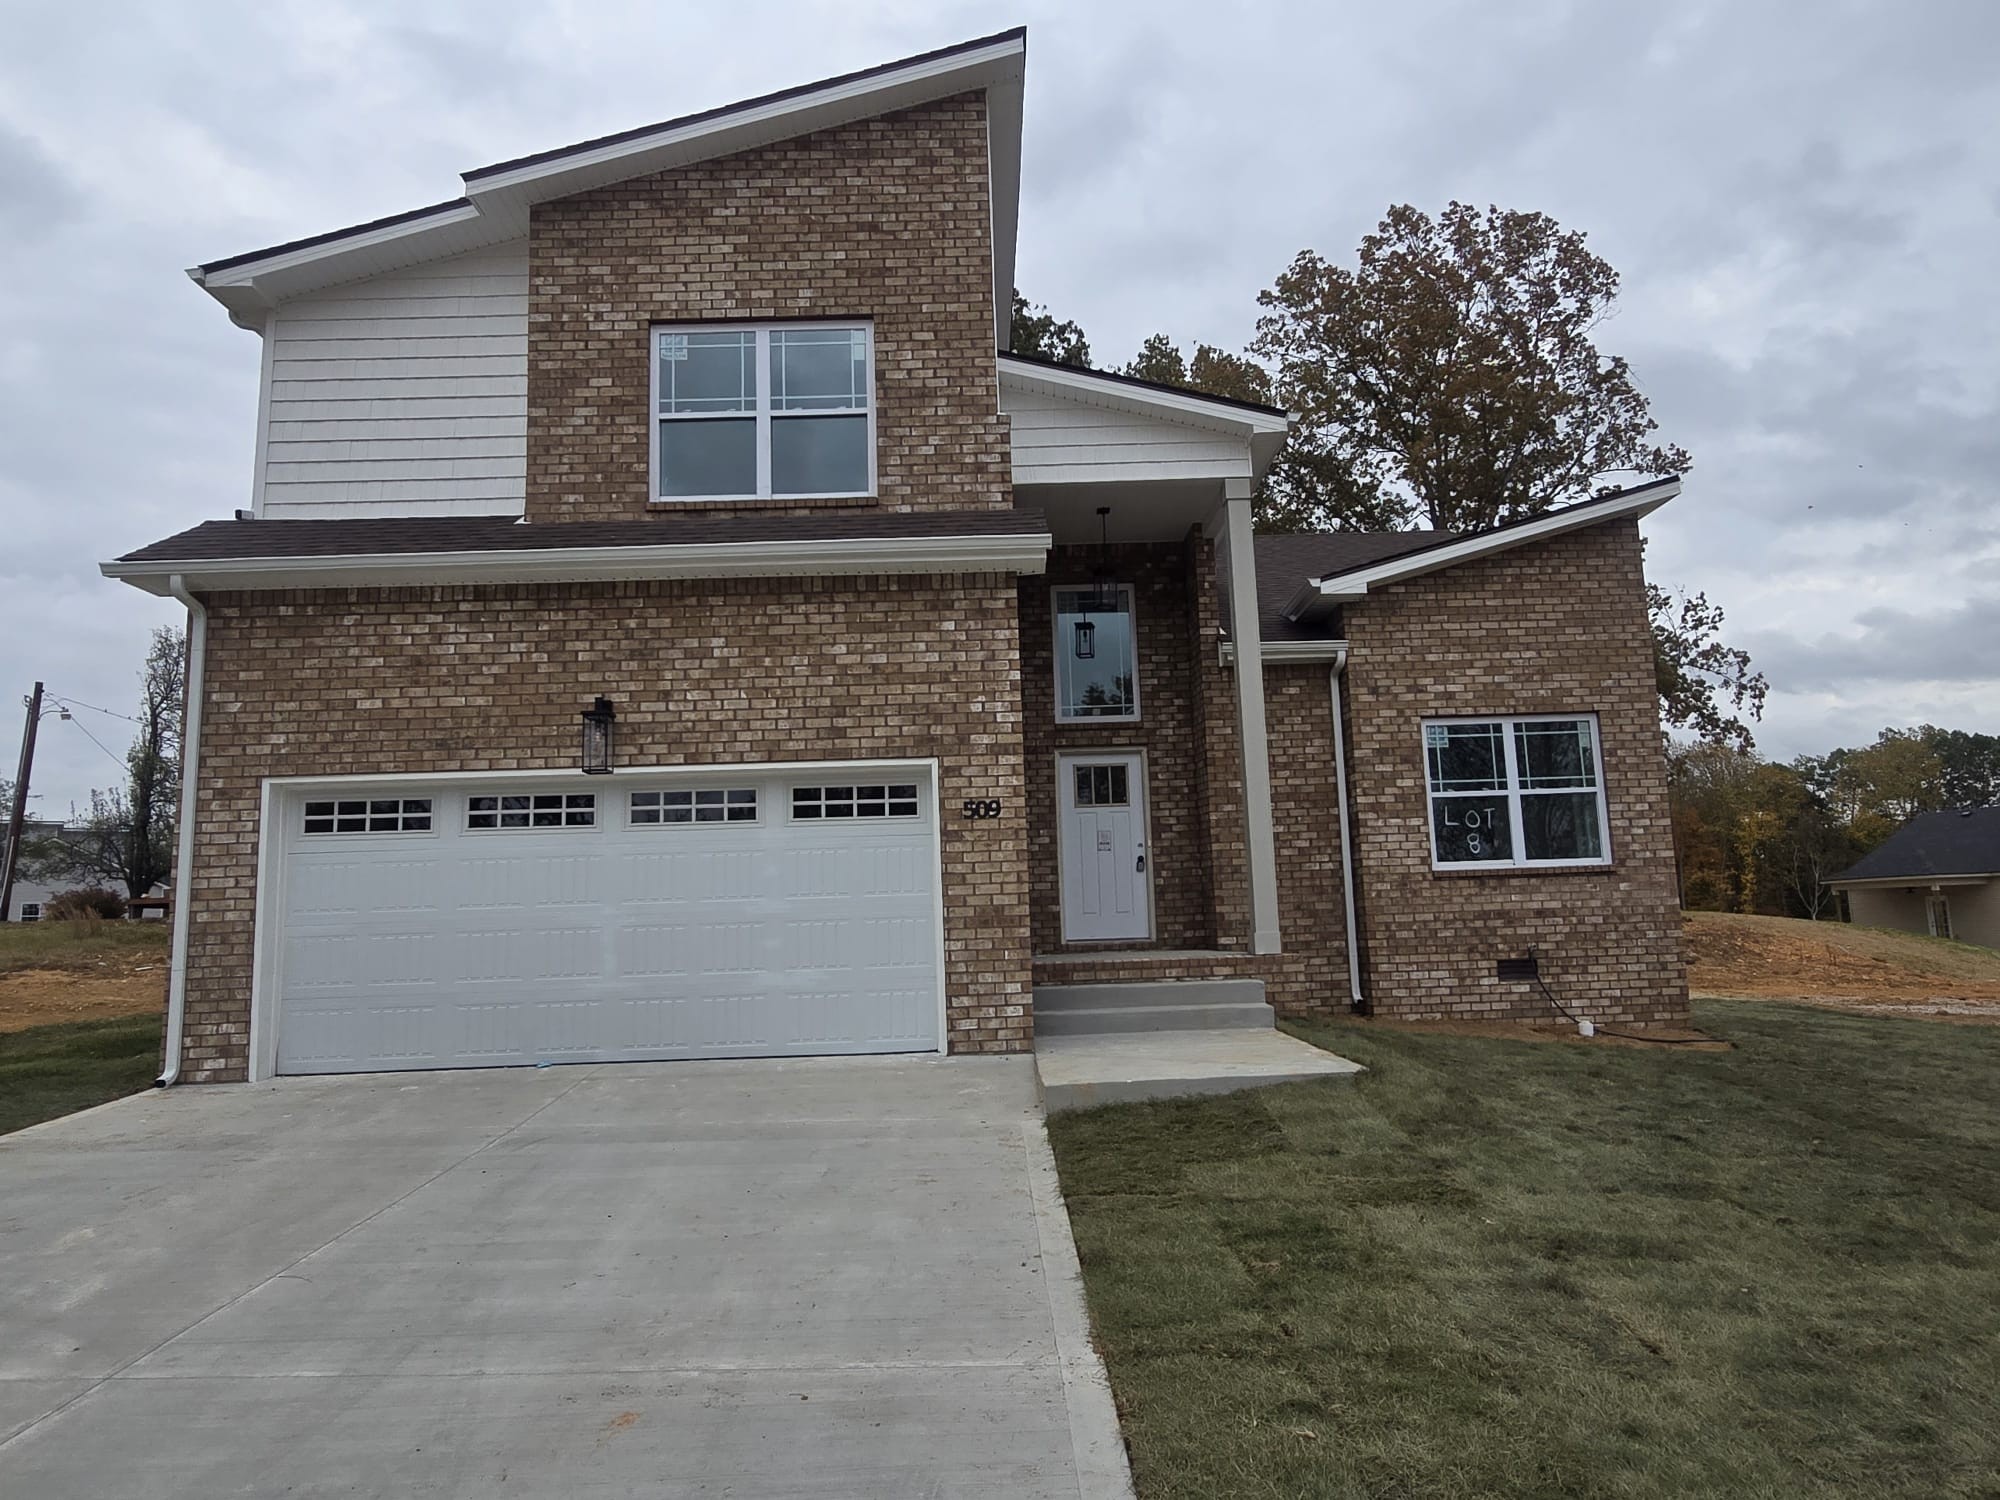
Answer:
(170, 1072)
(1346, 841)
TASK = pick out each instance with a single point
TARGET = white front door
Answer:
(1106, 890)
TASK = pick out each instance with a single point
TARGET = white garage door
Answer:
(607, 919)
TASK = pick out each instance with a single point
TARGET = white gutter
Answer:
(1355, 997)
(1005, 553)
(170, 1070)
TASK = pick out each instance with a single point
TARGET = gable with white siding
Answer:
(404, 394)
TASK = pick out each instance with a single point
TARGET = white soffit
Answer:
(1004, 553)
(497, 198)
(1265, 430)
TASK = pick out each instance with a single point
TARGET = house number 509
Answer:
(988, 807)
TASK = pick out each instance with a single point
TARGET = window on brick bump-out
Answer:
(763, 411)
(1516, 792)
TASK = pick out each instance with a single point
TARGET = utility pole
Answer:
(20, 811)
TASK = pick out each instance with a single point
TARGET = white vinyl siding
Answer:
(405, 394)
(1059, 440)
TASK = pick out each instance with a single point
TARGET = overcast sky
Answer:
(1803, 200)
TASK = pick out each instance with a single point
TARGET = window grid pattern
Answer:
(756, 413)
(369, 815)
(1102, 786)
(31, 911)
(1515, 792)
(532, 810)
(875, 800)
(695, 805)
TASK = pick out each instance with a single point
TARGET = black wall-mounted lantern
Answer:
(1085, 644)
(600, 721)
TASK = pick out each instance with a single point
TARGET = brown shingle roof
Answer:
(1287, 559)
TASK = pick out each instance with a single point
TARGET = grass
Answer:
(1498, 1268)
(56, 1070)
(79, 945)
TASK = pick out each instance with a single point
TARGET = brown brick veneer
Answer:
(1552, 627)
(886, 218)
(492, 678)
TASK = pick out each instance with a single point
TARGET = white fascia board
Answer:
(1355, 583)
(1911, 881)
(1190, 408)
(1289, 653)
(498, 203)
(781, 119)
(931, 554)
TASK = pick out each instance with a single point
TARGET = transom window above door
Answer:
(1097, 658)
(757, 412)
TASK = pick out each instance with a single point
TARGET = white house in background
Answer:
(33, 890)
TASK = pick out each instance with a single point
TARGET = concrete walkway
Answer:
(843, 1277)
(1077, 1072)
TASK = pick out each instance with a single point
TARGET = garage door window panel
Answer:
(336, 815)
(866, 800)
(531, 810)
(694, 805)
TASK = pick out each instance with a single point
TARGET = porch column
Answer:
(1240, 577)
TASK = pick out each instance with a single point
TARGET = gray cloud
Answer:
(1954, 645)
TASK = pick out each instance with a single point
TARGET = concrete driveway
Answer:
(760, 1279)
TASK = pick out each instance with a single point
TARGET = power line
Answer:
(99, 743)
(73, 703)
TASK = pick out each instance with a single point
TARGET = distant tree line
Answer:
(1752, 835)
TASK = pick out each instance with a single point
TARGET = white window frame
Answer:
(694, 795)
(395, 828)
(892, 797)
(31, 911)
(763, 413)
(1513, 793)
(500, 810)
(1129, 597)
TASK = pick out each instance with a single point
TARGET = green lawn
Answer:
(1498, 1268)
(56, 1070)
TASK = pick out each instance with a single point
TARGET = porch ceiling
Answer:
(1141, 511)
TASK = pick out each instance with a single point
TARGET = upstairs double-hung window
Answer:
(750, 413)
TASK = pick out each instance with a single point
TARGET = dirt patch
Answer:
(1898, 973)
(43, 997)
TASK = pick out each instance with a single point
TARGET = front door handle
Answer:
(1141, 865)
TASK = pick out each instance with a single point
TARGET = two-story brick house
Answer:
(664, 626)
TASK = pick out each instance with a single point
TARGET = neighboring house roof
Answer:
(1316, 598)
(497, 198)
(444, 549)
(1957, 842)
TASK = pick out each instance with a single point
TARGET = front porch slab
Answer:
(1077, 1072)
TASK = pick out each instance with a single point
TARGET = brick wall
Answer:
(885, 218)
(1310, 976)
(1167, 579)
(1554, 627)
(492, 678)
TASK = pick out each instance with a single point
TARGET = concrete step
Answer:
(1099, 1020)
(1080, 1072)
(1126, 994)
